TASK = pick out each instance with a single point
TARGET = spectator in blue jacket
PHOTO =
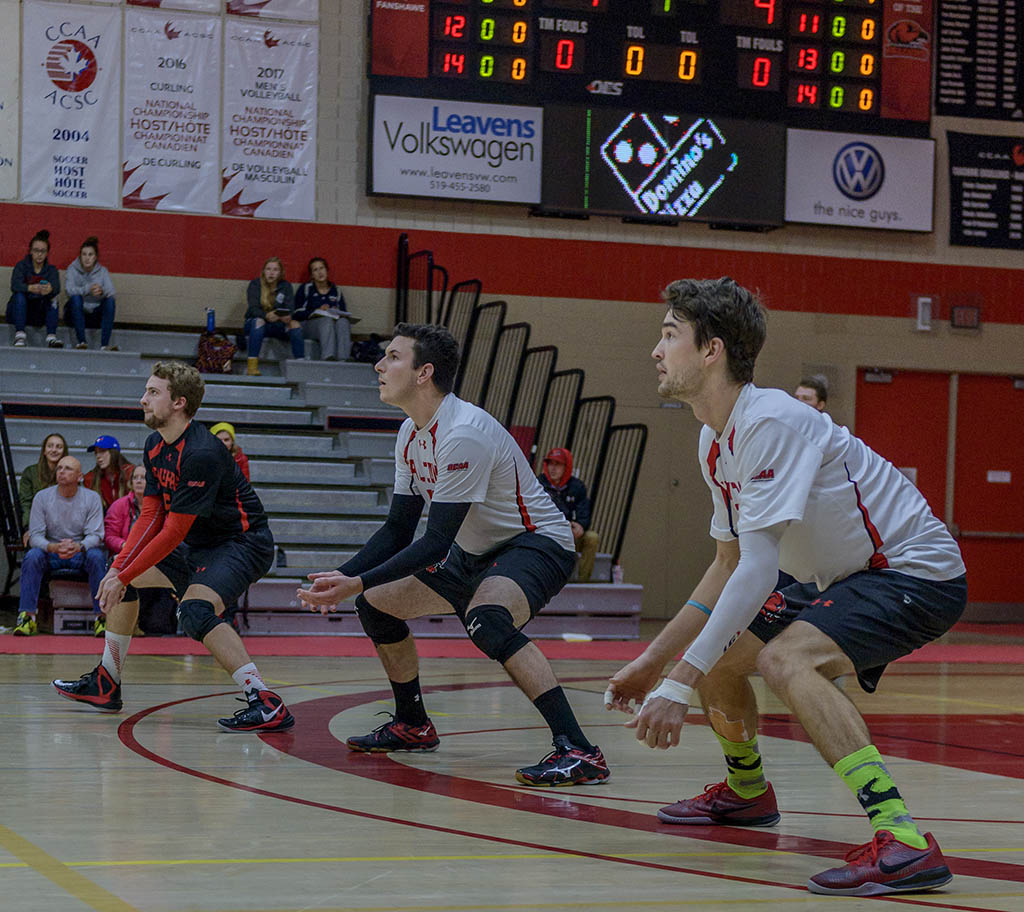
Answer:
(90, 295)
(270, 312)
(35, 284)
(321, 308)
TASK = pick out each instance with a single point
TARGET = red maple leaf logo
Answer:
(269, 40)
(170, 31)
(235, 206)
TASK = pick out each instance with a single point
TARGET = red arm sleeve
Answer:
(150, 521)
(173, 533)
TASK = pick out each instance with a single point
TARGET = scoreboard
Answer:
(663, 110)
(831, 64)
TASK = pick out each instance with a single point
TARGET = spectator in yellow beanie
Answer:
(226, 433)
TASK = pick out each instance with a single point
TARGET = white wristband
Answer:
(671, 690)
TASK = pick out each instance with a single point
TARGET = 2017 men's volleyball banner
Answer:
(70, 89)
(171, 111)
(268, 145)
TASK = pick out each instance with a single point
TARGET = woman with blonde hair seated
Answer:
(270, 312)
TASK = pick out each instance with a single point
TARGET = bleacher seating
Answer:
(321, 444)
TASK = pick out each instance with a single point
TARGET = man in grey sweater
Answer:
(65, 533)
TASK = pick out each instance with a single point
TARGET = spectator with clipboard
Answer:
(321, 308)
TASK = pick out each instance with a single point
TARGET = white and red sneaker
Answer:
(267, 713)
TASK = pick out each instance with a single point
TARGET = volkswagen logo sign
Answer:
(858, 171)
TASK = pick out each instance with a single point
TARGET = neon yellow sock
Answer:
(743, 760)
(866, 776)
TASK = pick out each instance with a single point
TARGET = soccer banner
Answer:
(198, 6)
(171, 111)
(71, 86)
(268, 145)
(9, 99)
(303, 10)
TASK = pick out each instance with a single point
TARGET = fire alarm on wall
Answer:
(965, 316)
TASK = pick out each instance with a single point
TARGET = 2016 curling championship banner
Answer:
(171, 112)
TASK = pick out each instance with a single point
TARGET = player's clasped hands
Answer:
(329, 589)
(658, 721)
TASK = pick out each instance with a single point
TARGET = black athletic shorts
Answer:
(228, 568)
(875, 616)
(536, 563)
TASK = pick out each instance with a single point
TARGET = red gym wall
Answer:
(228, 248)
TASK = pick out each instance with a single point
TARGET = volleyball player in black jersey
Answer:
(202, 531)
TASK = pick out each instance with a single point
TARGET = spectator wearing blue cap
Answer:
(112, 476)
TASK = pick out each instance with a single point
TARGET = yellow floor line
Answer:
(83, 889)
(362, 859)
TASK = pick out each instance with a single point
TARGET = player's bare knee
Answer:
(197, 618)
(493, 632)
(775, 664)
(382, 629)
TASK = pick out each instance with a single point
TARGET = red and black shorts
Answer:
(874, 616)
(228, 568)
(536, 563)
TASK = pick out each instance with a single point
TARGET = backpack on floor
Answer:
(215, 353)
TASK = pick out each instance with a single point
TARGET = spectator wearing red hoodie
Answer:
(570, 496)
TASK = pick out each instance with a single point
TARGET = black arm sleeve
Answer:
(442, 527)
(396, 533)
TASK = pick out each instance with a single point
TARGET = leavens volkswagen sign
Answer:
(862, 181)
(456, 150)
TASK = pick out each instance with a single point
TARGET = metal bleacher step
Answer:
(221, 392)
(301, 562)
(345, 373)
(346, 396)
(316, 531)
(292, 471)
(320, 500)
(69, 360)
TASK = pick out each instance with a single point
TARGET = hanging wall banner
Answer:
(171, 111)
(303, 10)
(9, 99)
(268, 149)
(199, 6)
(71, 85)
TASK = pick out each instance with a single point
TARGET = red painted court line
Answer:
(311, 741)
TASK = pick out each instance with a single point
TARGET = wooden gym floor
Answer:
(157, 810)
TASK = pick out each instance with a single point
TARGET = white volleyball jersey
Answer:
(463, 455)
(849, 509)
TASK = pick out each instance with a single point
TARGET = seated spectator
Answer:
(814, 391)
(321, 308)
(270, 312)
(123, 512)
(65, 533)
(39, 476)
(156, 606)
(112, 476)
(35, 284)
(570, 496)
(90, 295)
(226, 434)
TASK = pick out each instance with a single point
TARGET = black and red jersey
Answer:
(197, 475)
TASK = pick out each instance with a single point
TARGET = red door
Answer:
(989, 489)
(904, 416)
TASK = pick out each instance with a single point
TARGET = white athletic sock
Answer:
(115, 651)
(248, 678)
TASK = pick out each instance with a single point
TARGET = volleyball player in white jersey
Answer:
(495, 551)
(878, 576)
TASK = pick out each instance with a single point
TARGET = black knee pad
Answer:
(491, 629)
(381, 628)
(198, 618)
(131, 594)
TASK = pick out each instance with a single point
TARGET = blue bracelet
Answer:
(703, 608)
